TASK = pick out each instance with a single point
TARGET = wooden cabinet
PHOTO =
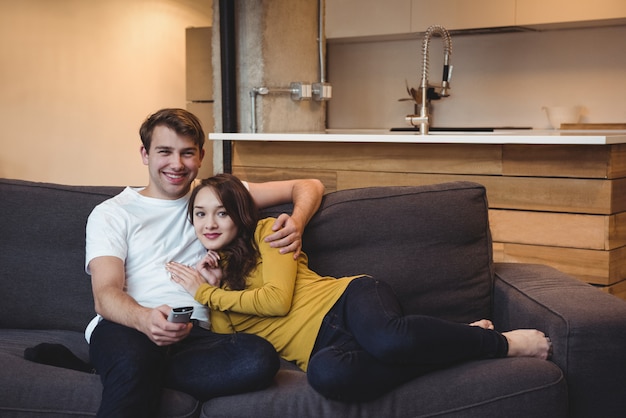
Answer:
(569, 12)
(363, 18)
(461, 14)
(560, 205)
(199, 82)
(198, 65)
(378, 18)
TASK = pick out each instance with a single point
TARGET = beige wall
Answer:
(78, 77)
(498, 79)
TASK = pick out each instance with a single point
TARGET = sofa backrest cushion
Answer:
(42, 254)
(432, 243)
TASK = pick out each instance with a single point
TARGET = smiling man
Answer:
(129, 240)
(172, 164)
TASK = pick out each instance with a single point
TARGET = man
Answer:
(130, 238)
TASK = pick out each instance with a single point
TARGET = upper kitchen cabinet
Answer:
(461, 14)
(570, 12)
(366, 18)
(198, 65)
(396, 18)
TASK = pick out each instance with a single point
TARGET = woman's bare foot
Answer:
(528, 343)
(483, 323)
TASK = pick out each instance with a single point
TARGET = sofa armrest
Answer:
(587, 328)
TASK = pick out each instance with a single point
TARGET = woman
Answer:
(348, 334)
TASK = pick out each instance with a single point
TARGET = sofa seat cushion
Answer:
(31, 389)
(503, 387)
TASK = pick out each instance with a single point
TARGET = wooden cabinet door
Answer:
(362, 18)
(536, 12)
(199, 67)
(461, 14)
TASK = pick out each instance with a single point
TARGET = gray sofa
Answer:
(432, 243)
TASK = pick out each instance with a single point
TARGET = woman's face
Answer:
(214, 227)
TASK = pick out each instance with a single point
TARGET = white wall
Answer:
(498, 79)
(78, 77)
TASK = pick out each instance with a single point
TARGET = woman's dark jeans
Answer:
(134, 370)
(367, 347)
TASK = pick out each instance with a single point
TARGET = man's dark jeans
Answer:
(133, 369)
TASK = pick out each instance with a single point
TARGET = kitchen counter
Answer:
(513, 136)
(555, 197)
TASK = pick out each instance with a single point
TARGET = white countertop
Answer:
(523, 136)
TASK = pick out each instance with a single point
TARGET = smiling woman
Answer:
(349, 334)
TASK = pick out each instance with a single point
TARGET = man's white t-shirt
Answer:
(145, 233)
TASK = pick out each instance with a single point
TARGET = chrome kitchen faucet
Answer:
(427, 92)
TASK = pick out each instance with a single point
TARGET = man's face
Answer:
(173, 162)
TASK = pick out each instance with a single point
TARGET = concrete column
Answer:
(276, 45)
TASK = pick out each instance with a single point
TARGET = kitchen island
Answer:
(555, 197)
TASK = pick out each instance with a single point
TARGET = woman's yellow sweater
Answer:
(284, 301)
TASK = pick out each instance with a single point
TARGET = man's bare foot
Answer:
(483, 323)
(528, 343)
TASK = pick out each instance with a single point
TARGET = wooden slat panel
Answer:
(617, 165)
(586, 161)
(409, 158)
(498, 252)
(554, 194)
(355, 179)
(563, 206)
(618, 289)
(521, 193)
(580, 161)
(258, 175)
(617, 230)
(618, 195)
(539, 193)
(595, 232)
(598, 267)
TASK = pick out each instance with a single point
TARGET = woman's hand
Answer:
(209, 268)
(190, 278)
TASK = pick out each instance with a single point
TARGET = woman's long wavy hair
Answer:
(241, 256)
